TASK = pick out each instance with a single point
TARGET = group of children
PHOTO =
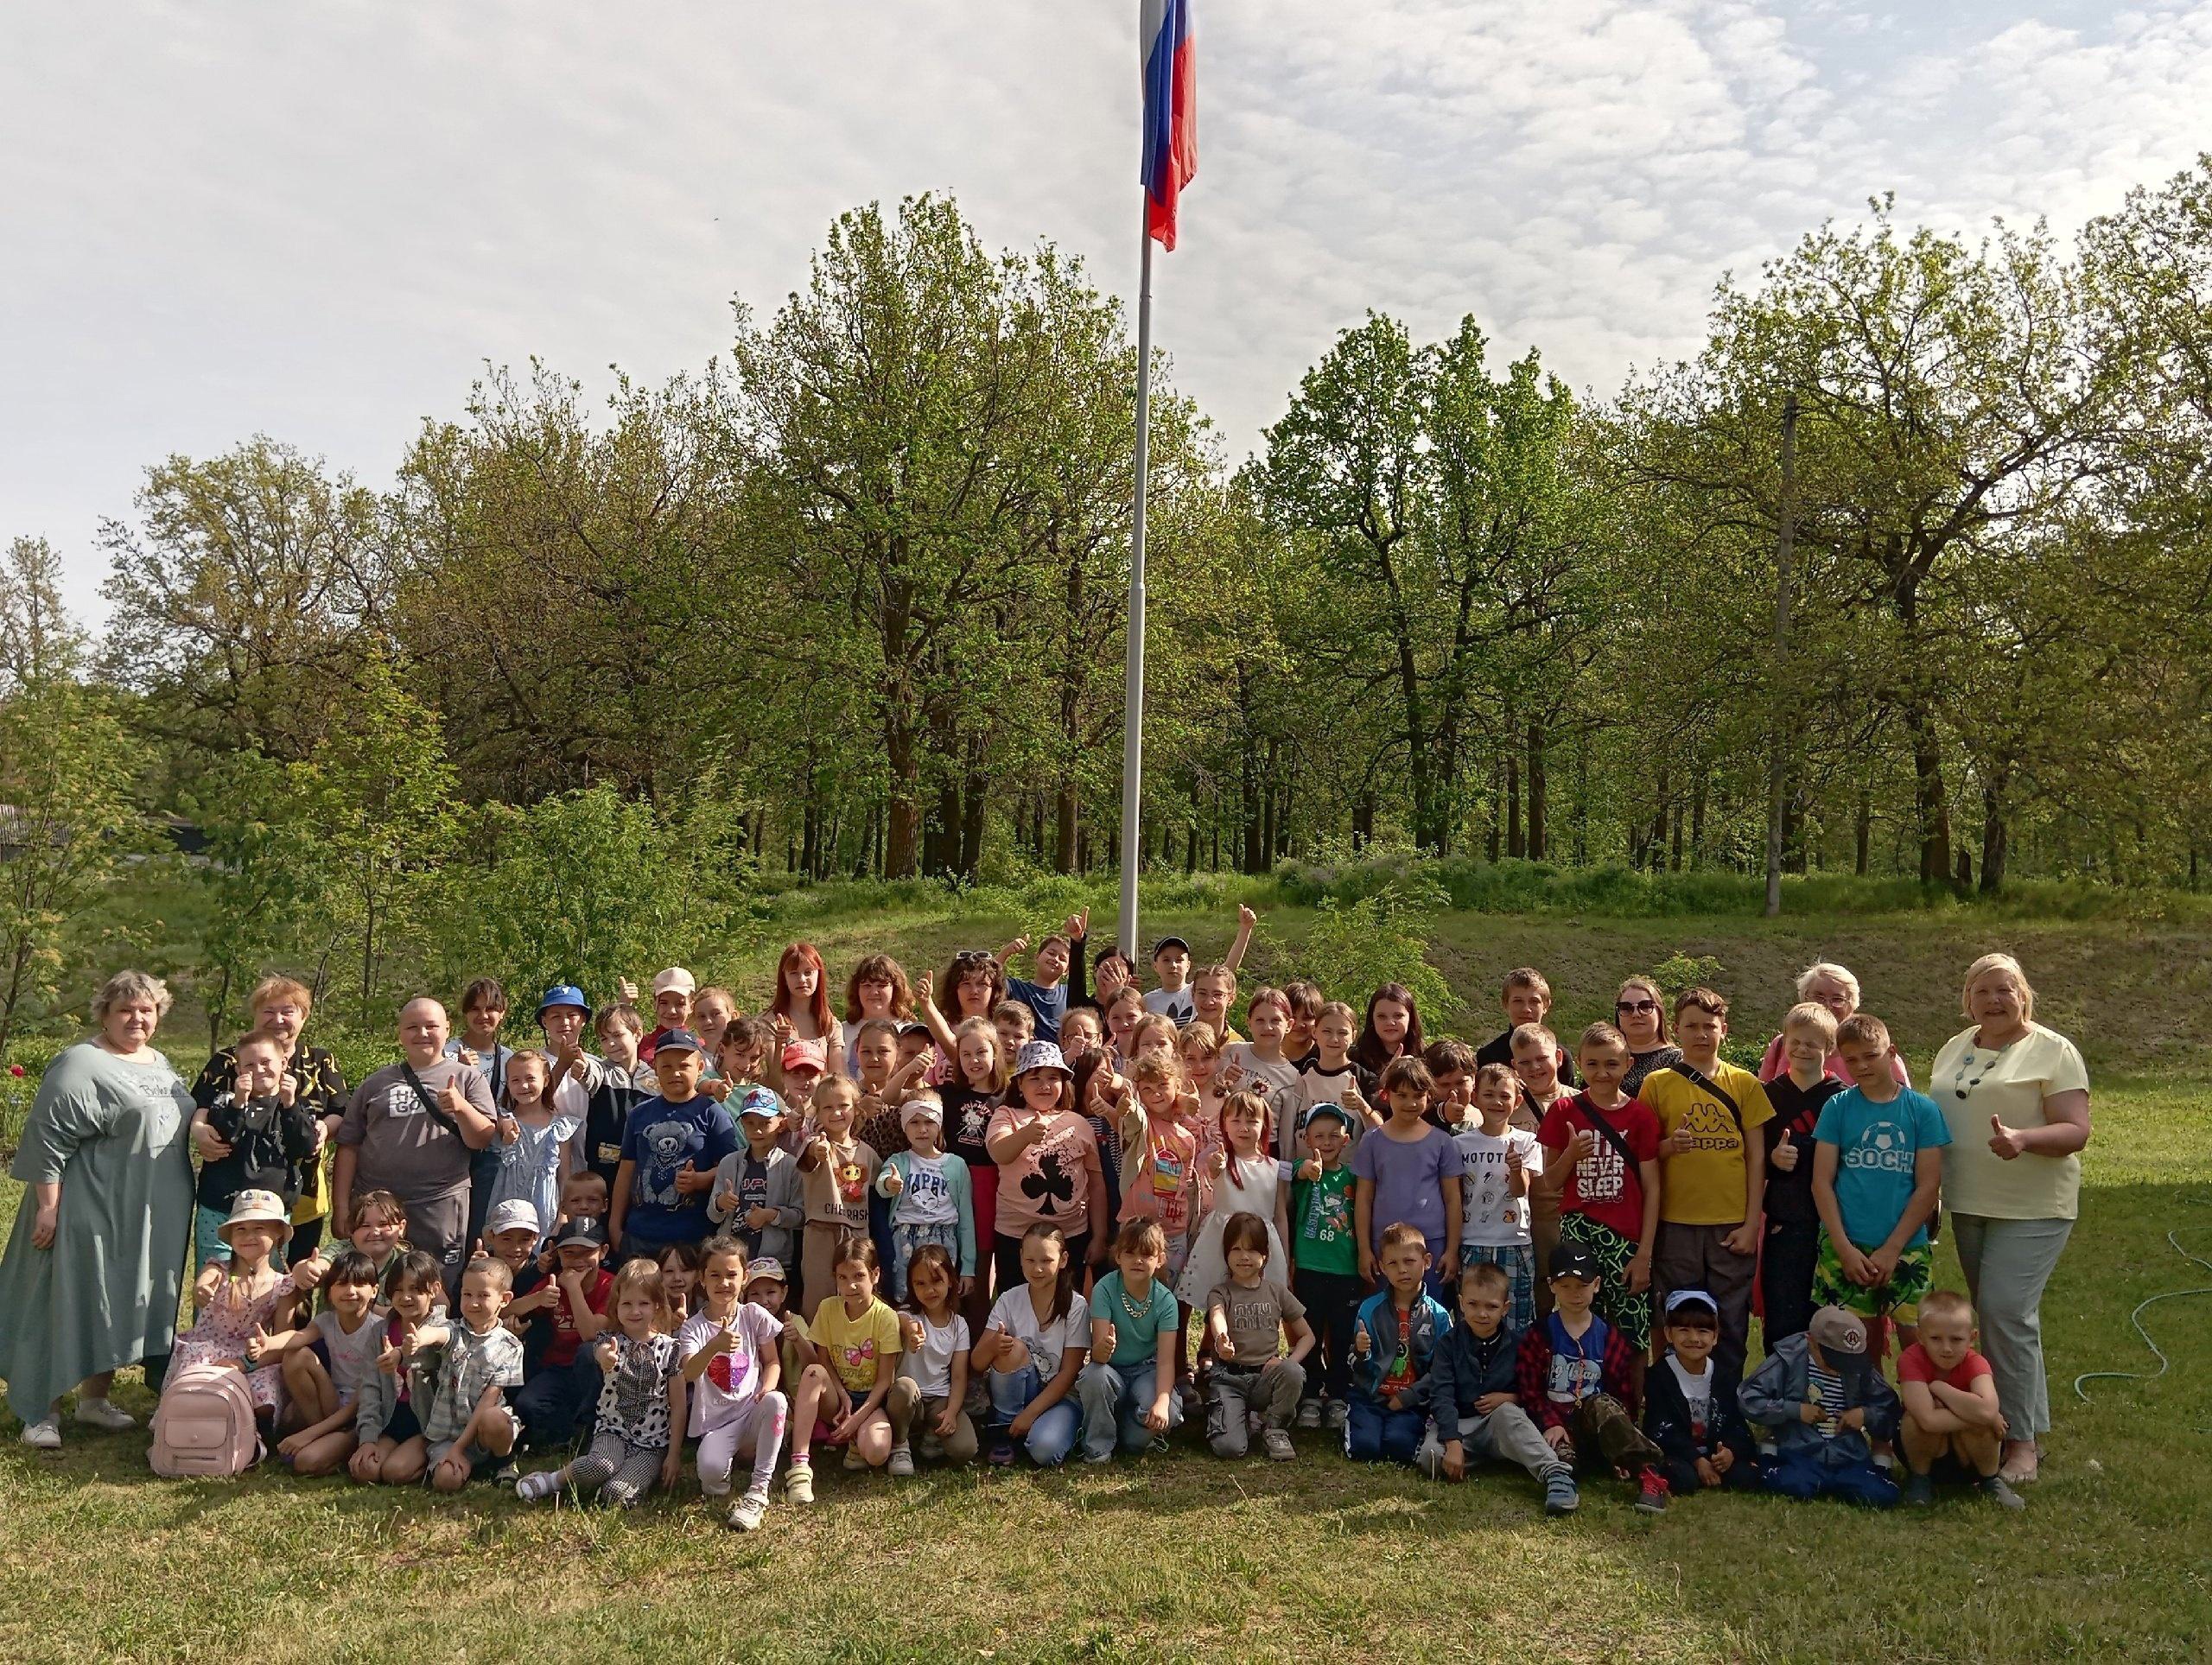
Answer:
(1077, 1219)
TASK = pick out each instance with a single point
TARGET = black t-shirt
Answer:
(967, 1113)
(606, 1115)
(1790, 1195)
(317, 1082)
(1499, 1050)
(1661, 1056)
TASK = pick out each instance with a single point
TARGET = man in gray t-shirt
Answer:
(391, 1141)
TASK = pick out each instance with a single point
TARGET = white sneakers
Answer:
(105, 1414)
(44, 1435)
(746, 1513)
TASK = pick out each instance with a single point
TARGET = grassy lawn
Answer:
(1184, 1556)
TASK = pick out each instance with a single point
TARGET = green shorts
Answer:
(1898, 1298)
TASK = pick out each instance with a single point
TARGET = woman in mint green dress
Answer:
(92, 1271)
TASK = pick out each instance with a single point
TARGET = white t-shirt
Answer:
(1697, 1390)
(353, 1358)
(1277, 1082)
(927, 1200)
(1170, 1003)
(1048, 1343)
(733, 1381)
(1494, 1214)
(931, 1365)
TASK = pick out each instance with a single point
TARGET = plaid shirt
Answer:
(1533, 1373)
(469, 1364)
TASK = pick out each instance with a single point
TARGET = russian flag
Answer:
(1168, 42)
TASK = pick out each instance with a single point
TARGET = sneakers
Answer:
(798, 1484)
(745, 1514)
(1277, 1441)
(103, 1414)
(1920, 1490)
(901, 1465)
(1560, 1494)
(536, 1488)
(1651, 1497)
(1002, 1454)
(1998, 1491)
(1339, 1413)
(853, 1460)
(1309, 1413)
(1090, 1456)
(43, 1435)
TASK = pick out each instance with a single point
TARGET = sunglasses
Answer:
(974, 956)
(1635, 1006)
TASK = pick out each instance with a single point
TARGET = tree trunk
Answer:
(902, 851)
(1363, 820)
(1996, 839)
(975, 796)
(1862, 833)
(1697, 820)
(1929, 800)
(1267, 809)
(1516, 845)
(1539, 796)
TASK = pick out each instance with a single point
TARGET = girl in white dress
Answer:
(1245, 1179)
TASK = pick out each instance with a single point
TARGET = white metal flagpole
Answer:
(1133, 697)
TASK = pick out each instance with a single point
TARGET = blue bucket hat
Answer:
(566, 994)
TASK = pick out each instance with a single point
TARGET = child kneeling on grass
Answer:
(1952, 1425)
(1472, 1385)
(1689, 1403)
(1394, 1341)
(1818, 1401)
(1249, 1378)
(1576, 1379)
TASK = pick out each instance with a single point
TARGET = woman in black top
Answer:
(1640, 1013)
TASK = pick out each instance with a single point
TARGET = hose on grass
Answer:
(2135, 1318)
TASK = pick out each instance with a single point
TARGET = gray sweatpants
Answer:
(2007, 1262)
(1234, 1391)
(1506, 1435)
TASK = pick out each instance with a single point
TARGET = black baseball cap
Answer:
(678, 1041)
(1573, 1261)
(583, 1230)
(1166, 942)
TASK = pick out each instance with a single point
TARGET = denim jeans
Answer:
(1052, 1433)
(1115, 1399)
(1375, 1433)
(560, 1396)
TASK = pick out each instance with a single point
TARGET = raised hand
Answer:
(1246, 918)
(627, 989)
(891, 1184)
(1310, 1169)
(1102, 1349)
(604, 1353)
(1078, 925)
(257, 1345)
(1783, 1158)
(1582, 1145)
(2007, 1143)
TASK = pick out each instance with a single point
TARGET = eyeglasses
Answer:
(1635, 1006)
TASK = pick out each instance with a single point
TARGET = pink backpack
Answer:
(204, 1425)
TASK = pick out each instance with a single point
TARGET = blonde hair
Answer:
(990, 1031)
(2010, 967)
(127, 986)
(1811, 1014)
(1198, 1037)
(642, 1274)
(1834, 973)
(280, 987)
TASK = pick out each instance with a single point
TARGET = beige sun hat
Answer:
(256, 1208)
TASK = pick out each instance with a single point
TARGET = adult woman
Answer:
(92, 1274)
(1826, 983)
(2016, 1097)
(281, 1006)
(877, 989)
(1640, 1013)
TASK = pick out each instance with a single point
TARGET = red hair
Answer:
(805, 954)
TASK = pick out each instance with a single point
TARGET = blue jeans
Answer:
(1375, 1433)
(1115, 1399)
(560, 1396)
(1804, 1476)
(1052, 1433)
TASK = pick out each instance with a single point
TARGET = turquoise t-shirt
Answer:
(1877, 1146)
(1136, 1323)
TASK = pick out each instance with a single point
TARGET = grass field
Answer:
(1185, 1557)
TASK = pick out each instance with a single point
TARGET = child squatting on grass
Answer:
(954, 1243)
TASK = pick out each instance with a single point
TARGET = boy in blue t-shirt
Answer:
(1127, 1389)
(1877, 1165)
(1047, 997)
(674, 1142)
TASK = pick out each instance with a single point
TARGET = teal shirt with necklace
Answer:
(1137, 1321)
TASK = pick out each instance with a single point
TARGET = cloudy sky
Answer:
(319, 221)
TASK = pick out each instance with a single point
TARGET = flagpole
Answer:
(1133, 695)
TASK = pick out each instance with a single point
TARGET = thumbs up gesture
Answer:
(1102, 1348)
(1362, 1342)
(257, 1345)
(2005, 1140)
(1785, 1158)
(604, 1352)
